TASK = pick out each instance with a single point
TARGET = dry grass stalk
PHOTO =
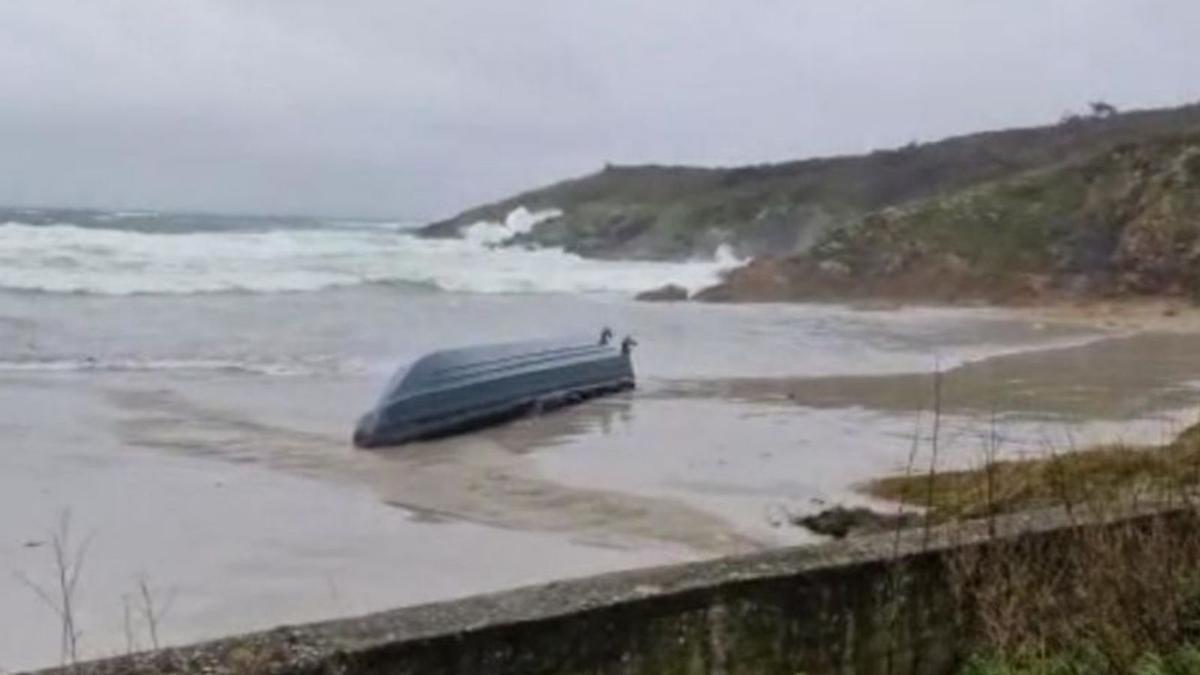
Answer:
(1117, 586)
(1072, 480)
(1114, 586)
(152, 610)
(1119, 591)
(60, 596)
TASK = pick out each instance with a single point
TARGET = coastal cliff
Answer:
(1122, 223)
(674, 213)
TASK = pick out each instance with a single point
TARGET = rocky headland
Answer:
(1123, 223)
(1099, 206)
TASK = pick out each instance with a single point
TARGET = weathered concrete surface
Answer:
(869, 605)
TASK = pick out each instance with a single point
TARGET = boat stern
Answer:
(366, 432)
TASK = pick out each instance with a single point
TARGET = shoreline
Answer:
(1158, 314)
(1176, 315)
(1115, 378)
(692, 465)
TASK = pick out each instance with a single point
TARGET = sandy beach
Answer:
(204, 446)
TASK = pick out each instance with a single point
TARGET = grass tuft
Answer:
(1111, 473)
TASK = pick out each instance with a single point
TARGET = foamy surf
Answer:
(280, 367)
(65, 258)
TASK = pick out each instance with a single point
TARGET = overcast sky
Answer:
(414, 109)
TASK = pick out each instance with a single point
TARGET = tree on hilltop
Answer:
(1102, 109)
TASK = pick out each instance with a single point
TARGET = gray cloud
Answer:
(419, 108)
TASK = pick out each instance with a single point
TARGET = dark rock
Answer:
(668, 293)
(762, 279)
(839, 521)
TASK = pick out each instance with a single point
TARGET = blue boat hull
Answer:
(458, 390)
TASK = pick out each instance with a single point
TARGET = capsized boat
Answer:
(461, 389)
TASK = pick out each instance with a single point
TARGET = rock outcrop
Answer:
(840, 521)
(668, 293)
(1123, 222)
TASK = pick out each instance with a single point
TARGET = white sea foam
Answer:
(120, 215)
(69, 259)
(519, 221)
(248, 365)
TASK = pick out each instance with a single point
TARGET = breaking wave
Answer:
(244, 364)
(134, 365)
(65, 258)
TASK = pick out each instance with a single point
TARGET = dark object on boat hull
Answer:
(461, 389)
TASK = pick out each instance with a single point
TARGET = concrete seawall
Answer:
(876, 604)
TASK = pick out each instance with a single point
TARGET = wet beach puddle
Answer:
(486, 478)
(697, 463)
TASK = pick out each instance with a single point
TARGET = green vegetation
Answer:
(1075, 220)
(1121, 223)
(1111, 596)
(1113, 599)
(1106, 474)
(677, 212)
(1184, 660)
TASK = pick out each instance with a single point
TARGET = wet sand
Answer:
(1172, 315)
(240, 497)
(1118, 378)
(263, 534)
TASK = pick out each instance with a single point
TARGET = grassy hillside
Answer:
(661, 212)
(1125, 221)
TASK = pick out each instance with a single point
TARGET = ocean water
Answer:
(122, 255)
(185, 387)
(148, 292)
